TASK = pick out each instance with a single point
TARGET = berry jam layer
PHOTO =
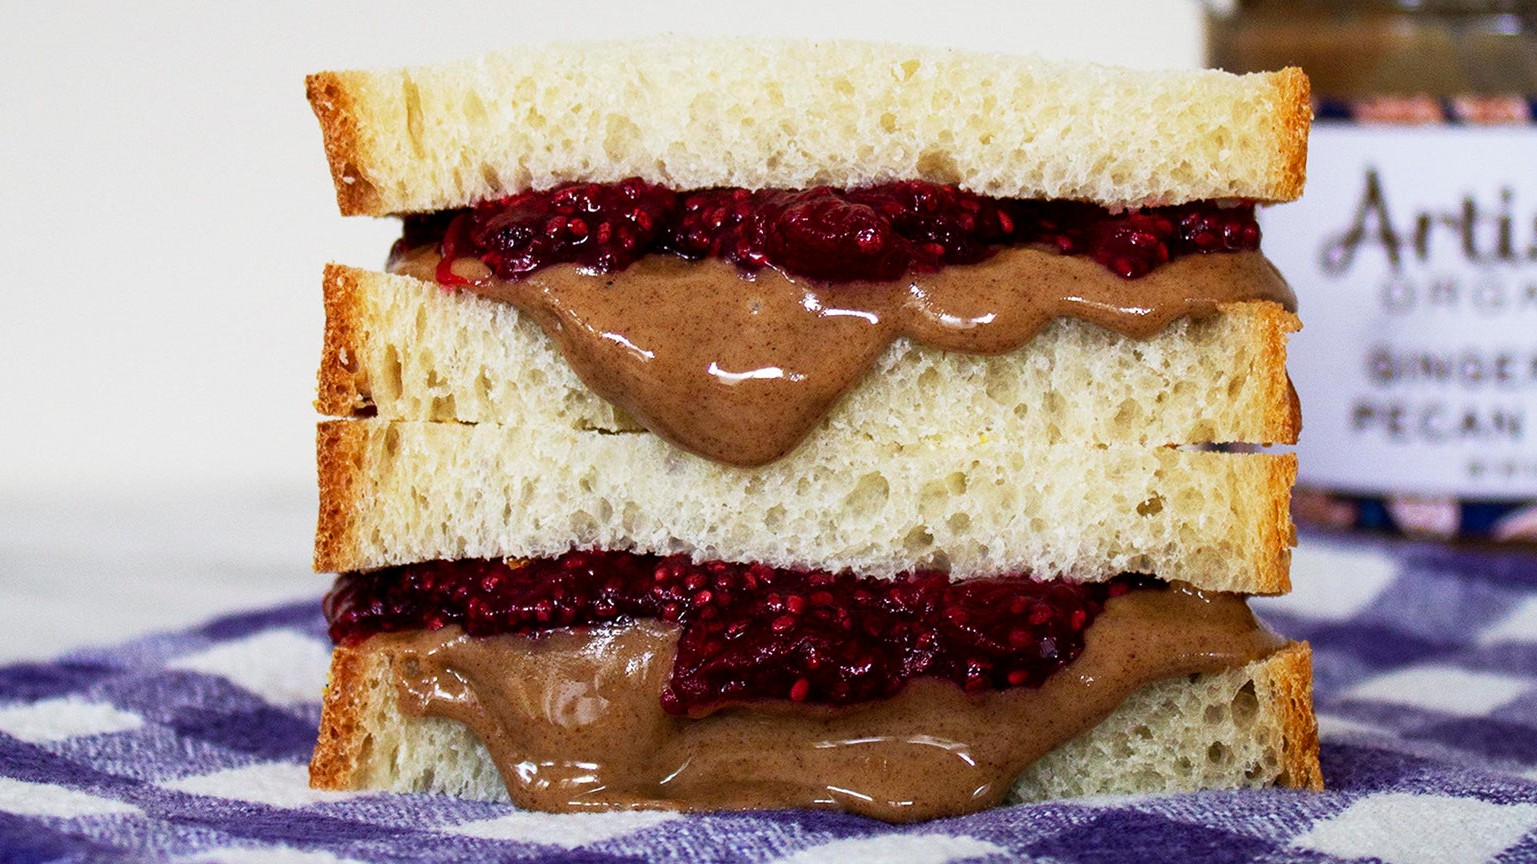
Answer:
(748, 631)
(871, 234)
(572, 719)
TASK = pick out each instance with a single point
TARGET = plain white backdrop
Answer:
(165, 208)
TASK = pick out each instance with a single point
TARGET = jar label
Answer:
(1413, 254)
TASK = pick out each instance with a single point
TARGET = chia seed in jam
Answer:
(874, 233)
(749, 631)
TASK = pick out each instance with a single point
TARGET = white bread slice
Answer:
(407, 349)
(693, 113)
(394, 492)
(1242, 728)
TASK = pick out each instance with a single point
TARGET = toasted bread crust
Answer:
(333, 96)
(361, 691)
(341, 379)
(1283, 411)
(1278, 531)
(1291, 672)
(338, 461)
(1293, 115)
(341, 749)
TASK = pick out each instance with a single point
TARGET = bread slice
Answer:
(406, 349)
(1247, 727)
(693, 113)
(1243, 728)
(394, 492)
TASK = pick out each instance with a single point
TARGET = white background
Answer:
(165, 211)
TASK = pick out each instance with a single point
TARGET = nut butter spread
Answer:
(573, 721)
(739, 369)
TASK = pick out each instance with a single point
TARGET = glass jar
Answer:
(1362, 48)
(1413, 253)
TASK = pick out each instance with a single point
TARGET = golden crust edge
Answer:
(1292, 119)
(1290, 671)
(339, 446)
(342, 380)
(335, 99)
(340, 751)
(1277, 532)
(1283, 412)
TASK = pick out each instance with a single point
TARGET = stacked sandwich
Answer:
(753, 423)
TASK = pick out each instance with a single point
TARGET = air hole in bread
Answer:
(774, 517)
(1129, 417)
(389, 383)
(939, 561)
(869, 495)
(414, 130)
(1245, 705)
(584, 527)
(1235, 387)
(474, 109)
(620, 137)
(938, 166)
(918, 540)
(1054, 403)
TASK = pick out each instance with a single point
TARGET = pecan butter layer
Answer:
(573, 721)
(739, 368)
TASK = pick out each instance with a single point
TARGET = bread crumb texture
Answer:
(1245, 727)
(393, 492)
(694, 113)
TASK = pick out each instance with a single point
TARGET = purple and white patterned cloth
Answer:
(192, 747)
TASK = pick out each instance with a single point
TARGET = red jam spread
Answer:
(748, 631)
(869, 234)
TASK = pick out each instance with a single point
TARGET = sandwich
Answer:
(754, 423)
